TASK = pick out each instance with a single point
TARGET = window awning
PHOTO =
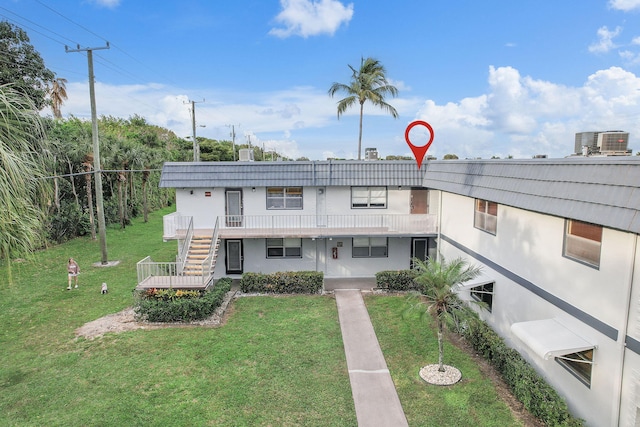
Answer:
(477, 281)
(549, 338)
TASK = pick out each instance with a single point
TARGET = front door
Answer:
(422, 248)
(234, 256)
(233, 208)
(419, 201)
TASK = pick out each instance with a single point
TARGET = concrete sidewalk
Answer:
(374, 394)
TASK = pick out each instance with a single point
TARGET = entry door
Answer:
(321, 207)
(233, 208)
(419, 201)
(422, 248)
(234, 256)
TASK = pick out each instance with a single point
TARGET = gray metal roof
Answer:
(299, 173)
(599, 190)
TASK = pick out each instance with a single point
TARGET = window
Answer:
(486, 216)
(368, 197)
(579, 364)
(582, 242)
(284, 248)
(284, 197)
(484, 294)
(369, 247)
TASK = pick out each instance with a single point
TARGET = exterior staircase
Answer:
(199, 249)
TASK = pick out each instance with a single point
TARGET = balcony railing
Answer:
(167, 275)
(322, 225)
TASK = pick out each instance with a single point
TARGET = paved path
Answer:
(374, 394)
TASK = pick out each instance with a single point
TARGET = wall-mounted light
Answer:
(253, 189)
(190, 191)
(320, 190)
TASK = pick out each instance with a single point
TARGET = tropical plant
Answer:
(23, 191)
(368, 83)
(439, 280)
(22, 65)
(57, 95)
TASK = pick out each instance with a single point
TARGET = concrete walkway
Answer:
(374, 394)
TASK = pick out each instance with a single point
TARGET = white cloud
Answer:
(521, 116)
(311, 18)
(624, 5)
(111, 4)
(605, 40)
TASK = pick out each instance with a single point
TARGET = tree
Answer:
(439, 280)
(23, 192)
(450, 157)
(368, 83)
(22, 65)
(57, 95)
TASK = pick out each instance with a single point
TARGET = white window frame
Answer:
(289, 247)
(369, 247)
(287, 198)
(374, 197)
(483, 219)
(579, 364)
(582, 248)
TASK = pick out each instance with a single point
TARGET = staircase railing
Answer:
(183, 245)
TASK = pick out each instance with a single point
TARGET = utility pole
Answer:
(233, 140)
(196, 146)
(97, 169)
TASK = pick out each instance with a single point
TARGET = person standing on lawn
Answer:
(73, 270)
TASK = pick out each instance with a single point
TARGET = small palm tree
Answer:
(439, 280)
(368, 83)
(58, 94)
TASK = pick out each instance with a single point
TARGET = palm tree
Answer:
(58, 94)
(368, 83)
(23, 192)
(439, 281)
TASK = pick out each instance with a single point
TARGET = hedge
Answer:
(180, 306)
(397, 280)
(538, 397)
(289, 282)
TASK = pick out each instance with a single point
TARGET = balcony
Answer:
(310, 226)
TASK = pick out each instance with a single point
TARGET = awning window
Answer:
(475, 282)
(549, 338)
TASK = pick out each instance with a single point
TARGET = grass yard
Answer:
(278, 361)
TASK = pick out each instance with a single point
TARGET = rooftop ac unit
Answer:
(246, 155)
(370, 154)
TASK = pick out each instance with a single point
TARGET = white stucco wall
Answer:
(530, 245)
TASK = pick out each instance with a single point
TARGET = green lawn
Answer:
(276, 362)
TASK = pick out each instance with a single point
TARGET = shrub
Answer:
(169, 305)
(289, 282)
(397, 280)
(526, 384)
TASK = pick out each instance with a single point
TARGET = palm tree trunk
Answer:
(73, 183)
(360, 131)
(440, 346)
(145, 206)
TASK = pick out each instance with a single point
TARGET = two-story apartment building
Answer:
(556, 240)
(345, 219)
(558, 244)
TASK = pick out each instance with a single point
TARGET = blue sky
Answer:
(493, 78)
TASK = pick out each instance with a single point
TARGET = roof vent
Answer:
(246, 155)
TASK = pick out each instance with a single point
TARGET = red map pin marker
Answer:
(419, 152)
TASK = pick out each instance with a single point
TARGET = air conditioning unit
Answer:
(613, 141)
(370, 154)
(246, 155)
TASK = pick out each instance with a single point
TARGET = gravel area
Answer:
(431, 375)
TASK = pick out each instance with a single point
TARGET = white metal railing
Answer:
(175, 225)
(185, 241)
(165, 274)
(399, 223)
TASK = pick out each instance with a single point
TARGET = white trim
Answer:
(475, 282)
(549, 338)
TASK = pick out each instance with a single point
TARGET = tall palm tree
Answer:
(58, 94)
(23, 192)
(368, 83)
(439, 281)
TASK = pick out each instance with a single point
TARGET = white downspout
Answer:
(618, 394)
